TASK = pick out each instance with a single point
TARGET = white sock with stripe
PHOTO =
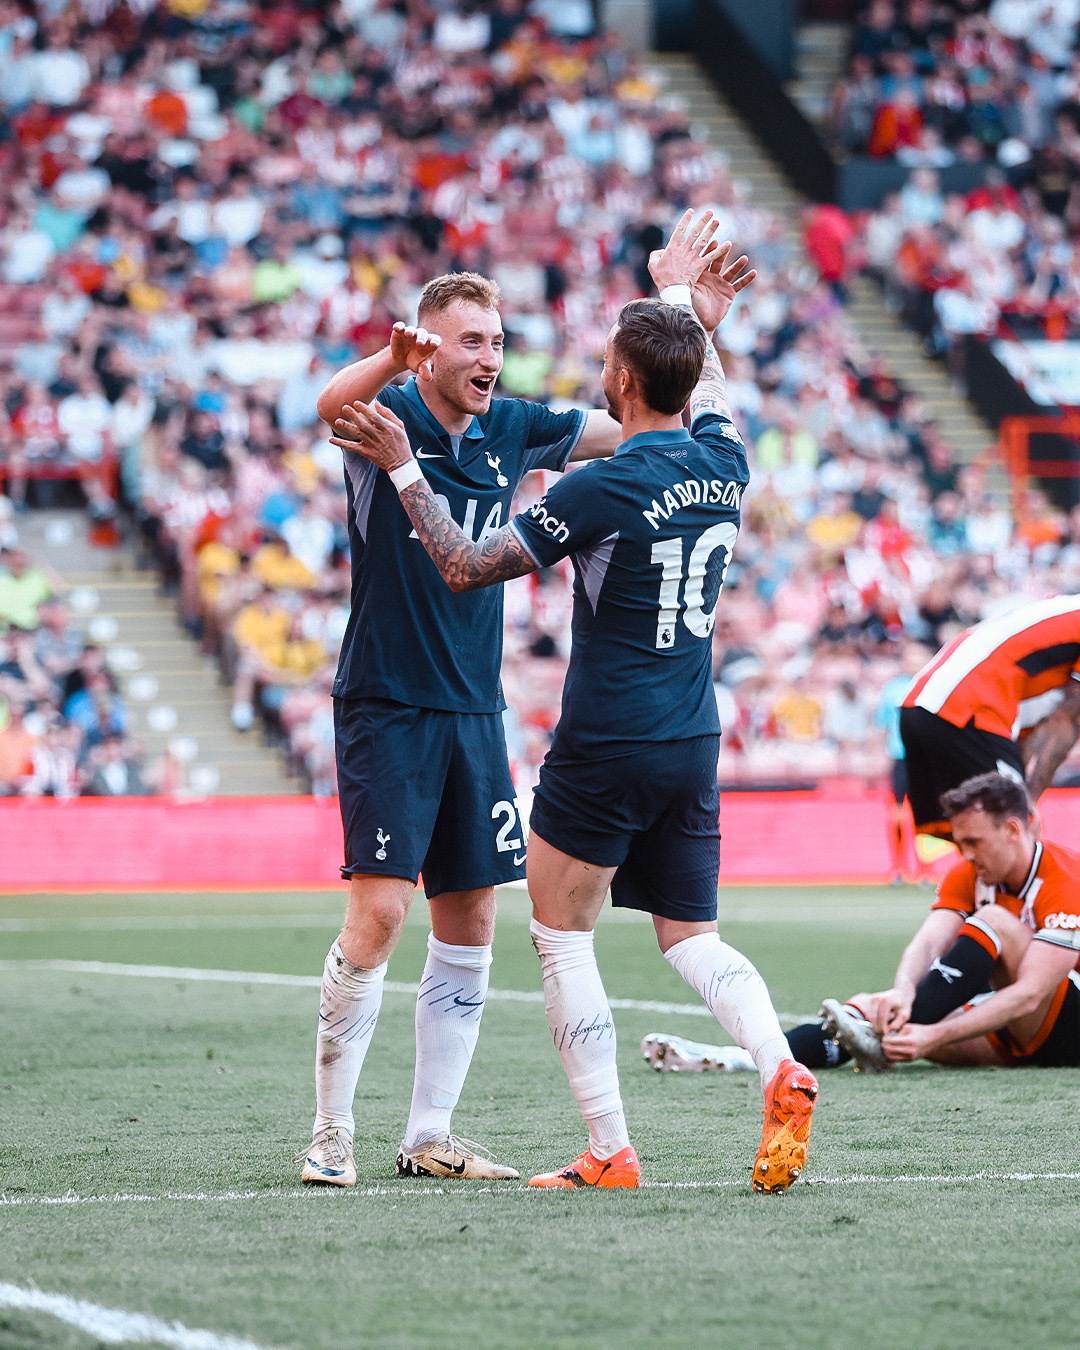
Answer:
(448, 1010)
(736, 996)
(584, 1033)
(348, 1011)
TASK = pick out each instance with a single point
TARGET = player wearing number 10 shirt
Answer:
(628, 795)
(650, 533)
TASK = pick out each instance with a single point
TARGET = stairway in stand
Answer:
(174, 694)
(881, 332)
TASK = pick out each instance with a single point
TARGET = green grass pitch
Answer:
(167, 1111)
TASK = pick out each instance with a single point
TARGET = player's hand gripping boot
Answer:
(328, 1159)
(856, 1035)
(789, 1103)
(452, 1157)
(623, 1171)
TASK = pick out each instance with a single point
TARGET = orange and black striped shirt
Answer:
(986, 673)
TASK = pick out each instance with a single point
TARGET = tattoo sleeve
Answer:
(1050, 741)
(711, 392)
(463, 565)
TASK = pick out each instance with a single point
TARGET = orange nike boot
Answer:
(621, 1171)
(789, 1103)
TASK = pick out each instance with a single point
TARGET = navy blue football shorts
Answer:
(428, 791)
(650, 809)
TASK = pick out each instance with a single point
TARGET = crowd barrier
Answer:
(818, 837)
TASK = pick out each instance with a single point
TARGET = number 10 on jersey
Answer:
(701, 568)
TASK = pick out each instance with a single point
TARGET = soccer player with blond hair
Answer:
(423, 775)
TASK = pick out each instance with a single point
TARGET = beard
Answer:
(459, 393)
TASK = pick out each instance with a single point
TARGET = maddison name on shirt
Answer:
(712, 491)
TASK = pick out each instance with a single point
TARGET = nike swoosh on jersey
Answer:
(420, 455)
(518, 861)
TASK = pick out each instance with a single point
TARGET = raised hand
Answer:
(717, 286)
(374, 431)
(687, 253)
(412, 348)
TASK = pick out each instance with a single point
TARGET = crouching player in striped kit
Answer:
(628, 795)
(993, 974)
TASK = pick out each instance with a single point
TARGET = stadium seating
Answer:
(934, 87)
(65, 729)
(197, 239)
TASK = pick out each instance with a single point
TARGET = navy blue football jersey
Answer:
(409, 637)
(650, 533)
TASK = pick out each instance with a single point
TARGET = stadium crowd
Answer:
(997, 85)
(65, 729)
(208, 208)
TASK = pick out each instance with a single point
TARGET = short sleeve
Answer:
(957, 890)
(1057, 912)
(721, 435)
(550, 437)
(569, 518)
(392, 396)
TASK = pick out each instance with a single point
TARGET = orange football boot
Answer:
(789, 1102)
(622, 1171)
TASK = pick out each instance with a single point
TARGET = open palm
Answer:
(715, 290)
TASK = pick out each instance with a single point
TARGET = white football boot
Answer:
(328, 1159)
(450, 1156)
(856, 1035)
(673, 1054)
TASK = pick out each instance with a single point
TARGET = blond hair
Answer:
(441, 292)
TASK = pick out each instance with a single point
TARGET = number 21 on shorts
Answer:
(700, 567)
(512, 833)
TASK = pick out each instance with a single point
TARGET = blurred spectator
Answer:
(113, 770)
(23, 587)
(16, 750)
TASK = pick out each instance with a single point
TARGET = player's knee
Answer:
(384, 917)
(375, 916)
(1004, 923)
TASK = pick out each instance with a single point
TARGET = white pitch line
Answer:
(113, 1326)
(315, 982)
(465, 1191)
(138, 923)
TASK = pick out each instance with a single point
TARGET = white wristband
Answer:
(678, 294)
(406, 474)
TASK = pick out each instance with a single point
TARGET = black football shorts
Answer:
(1061, 1048)
(940, 757)
(428, 791)
(649, 809)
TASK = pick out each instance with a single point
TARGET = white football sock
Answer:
(448, 1010)
(736, 995)
(351, 999)
(584, 1034)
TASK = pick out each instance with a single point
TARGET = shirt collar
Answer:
(1022, 894)
(660, 439)
(474, 432)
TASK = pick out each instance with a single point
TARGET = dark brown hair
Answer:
(1000, 797)
(663, 346)
(441, 292)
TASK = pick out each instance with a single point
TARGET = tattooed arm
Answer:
(710, 395)
(1050, 740)
(380, 436)
(463, 565)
